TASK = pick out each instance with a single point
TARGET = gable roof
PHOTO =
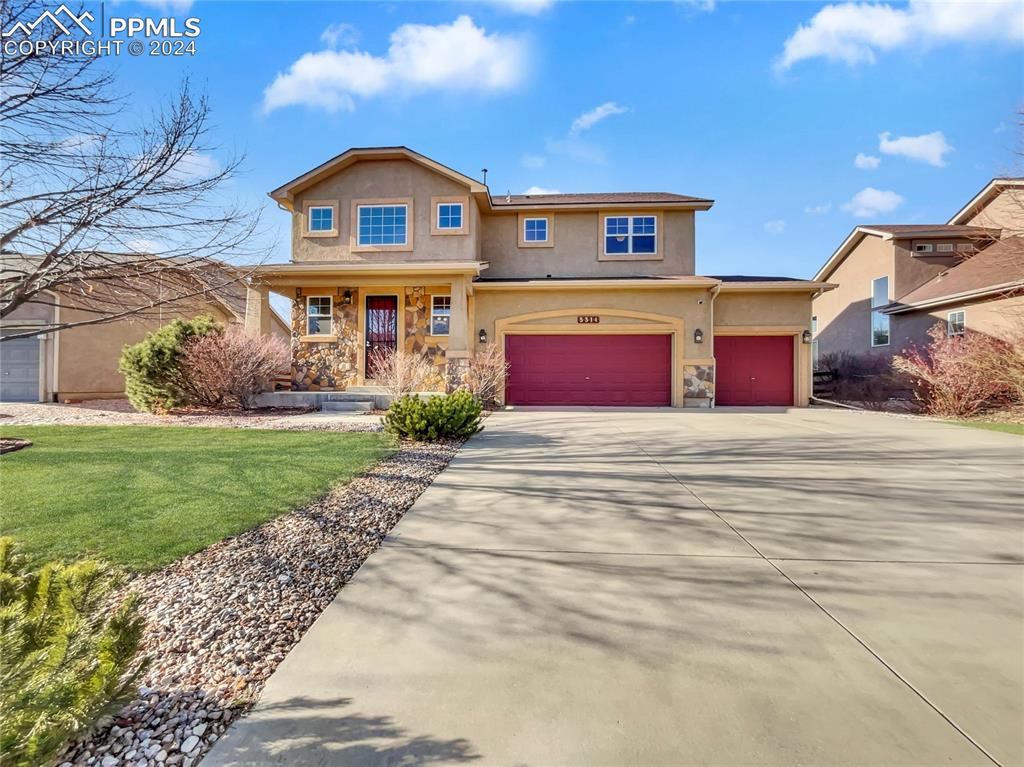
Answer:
(990, 191)
(997, 268)
(285, 194)
(599, 199)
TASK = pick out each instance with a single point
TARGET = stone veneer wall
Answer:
(699, 384)
(332, 364)
(417, 333)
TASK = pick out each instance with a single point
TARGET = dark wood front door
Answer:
(381, 328)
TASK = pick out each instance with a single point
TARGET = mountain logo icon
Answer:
(70, 21)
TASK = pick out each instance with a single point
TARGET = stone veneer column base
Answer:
(698, 385)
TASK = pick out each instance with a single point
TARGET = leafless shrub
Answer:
(231, 368)
(400, 372)
(865, 379)
(485, 374)
(1004, 362)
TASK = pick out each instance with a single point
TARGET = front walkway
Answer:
(668, 588)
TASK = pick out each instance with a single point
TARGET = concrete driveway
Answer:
(803, 587)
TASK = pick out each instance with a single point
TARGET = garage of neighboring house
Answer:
(754, 370)
(589, 369)
(19, 370)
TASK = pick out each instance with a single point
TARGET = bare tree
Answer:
(114, 219)
(400, 372)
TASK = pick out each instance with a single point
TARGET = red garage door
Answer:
(754, 370)
(589, 370)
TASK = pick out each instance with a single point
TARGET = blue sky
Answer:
(763, 107)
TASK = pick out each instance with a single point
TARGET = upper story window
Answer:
(440, 315)
(814, 323)
(383, 225)
(965, 247)
(449, 215)
(321, 218)
(318, 316)
(535, 230)
(879, 321)
(630, 235)
(956, 323)
(923, 247)
(945, 247)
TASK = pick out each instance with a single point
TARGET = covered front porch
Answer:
(341, 314)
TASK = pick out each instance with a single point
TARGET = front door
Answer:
(381, 328)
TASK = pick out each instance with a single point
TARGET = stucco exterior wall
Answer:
(999, 317)
(1005, 212)
(844, 314)
(579, 245)
(380, 180)
(912, 270)
(771, 308)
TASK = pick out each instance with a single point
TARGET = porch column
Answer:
(257, 310)
(458, 334)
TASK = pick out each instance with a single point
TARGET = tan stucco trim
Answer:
(521, 224)
(673, 283)
(659, 234)
(318, 339)
(657, 324)
(410, 225)
(435, 201)
(808, 286)
(802, 378)
(304, 226)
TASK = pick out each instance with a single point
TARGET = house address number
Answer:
(588, 319)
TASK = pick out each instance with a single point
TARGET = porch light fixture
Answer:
(806, 337)
(482, 336)
(698, 336)
(346, 299)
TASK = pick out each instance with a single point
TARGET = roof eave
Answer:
(955, 297)
(814, 286)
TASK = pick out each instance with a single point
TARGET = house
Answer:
(896, 281)
(81, 363)
(592, 298)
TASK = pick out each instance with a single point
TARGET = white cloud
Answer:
(420, 57)
(854, 32)
(532, 161)
(1001, 128)
(870, 202)
(818, 210)
(541, 190)
(588, 120)
(866, 161)
(577, 149)
(194, 166)
(776, 226)
(929, 147)
(340, 35)
(528, 7)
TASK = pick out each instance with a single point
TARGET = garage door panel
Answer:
(19, 370)
(754, 370)
(589, 369)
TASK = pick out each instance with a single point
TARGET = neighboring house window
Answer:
(814, 323)
(321, 219)
(965, 247)
(318, 316)
(440, 315)
(945, 247)
(535, 230)
(879, 321)
(630, 235)
(449, 215)
(956, 323)
(923, 247)
(814, 354)
(382, 225)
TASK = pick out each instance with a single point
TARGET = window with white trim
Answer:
(945, 247)
(814, 323)
(440, 315)
(321, 218)
(956, 323)
(383, 224)
(535, 230)
(814, 354)
(879, 321)
(318, 316)
(630, 235)
(923, 247)
(449, 215)
(965, 247)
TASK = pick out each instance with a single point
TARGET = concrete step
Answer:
(349, 406)
(350, 396)
(369, 390)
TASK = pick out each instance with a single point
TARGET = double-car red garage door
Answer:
(754, 370)
(589, 369)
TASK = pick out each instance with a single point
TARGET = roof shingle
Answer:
(596, 198)
(998, 264)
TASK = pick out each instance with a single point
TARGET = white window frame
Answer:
(963, 323)
(547, 230)
(874, 311)
(923, 247)
(433, 314)
(329, 316)
(309, 220)
(462, 220)
(359, 234)
(965, 247)
(629, 236)
(945, 247)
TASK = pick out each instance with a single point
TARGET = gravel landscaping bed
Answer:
(220, 621)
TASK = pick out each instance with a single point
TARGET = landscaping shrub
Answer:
(153, 379)
(400, 372)
(868, 380)
(485, 374)
(66, 657)
(230, 368)
(948, 376)
(444, 416)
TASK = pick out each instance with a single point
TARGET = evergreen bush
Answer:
(447, 416)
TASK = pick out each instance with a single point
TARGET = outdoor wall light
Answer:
(347, 298)
(806, 337)
(698, 336)
(482, 336)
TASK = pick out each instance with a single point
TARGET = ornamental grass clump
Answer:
(450, 416)
(67, 656)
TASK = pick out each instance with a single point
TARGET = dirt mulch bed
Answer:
(10, 444)
(220, 621)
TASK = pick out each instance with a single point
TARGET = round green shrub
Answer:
(451, 416)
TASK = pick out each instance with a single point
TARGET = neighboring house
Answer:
(896, 281)
(592, 298)
(81, 363)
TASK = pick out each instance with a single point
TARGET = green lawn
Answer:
(1009, 428)
(146, 496)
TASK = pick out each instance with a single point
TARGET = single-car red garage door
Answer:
(589, 370)
(754, 370)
